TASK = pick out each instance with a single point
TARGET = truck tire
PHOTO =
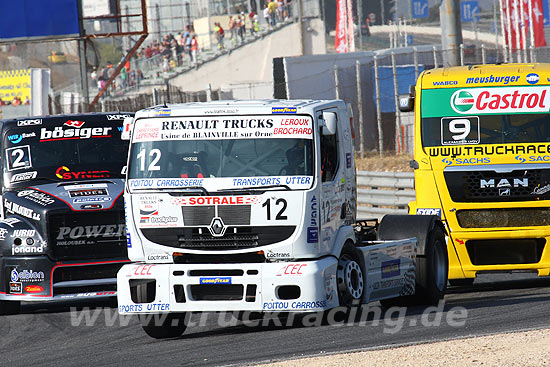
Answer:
(162, 326)
(461, 282)
(10, 307)
(349, 277)
(432, 269)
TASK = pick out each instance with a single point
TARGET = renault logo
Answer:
(217, 228)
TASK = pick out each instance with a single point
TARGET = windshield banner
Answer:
(214, 183)
(232, 127)
(485, 101)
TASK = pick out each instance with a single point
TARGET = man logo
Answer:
(217, 227)
(462, 101)
(504, 192)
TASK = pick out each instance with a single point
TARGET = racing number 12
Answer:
(279, 202)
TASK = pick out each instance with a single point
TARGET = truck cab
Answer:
(62, 231)
(251, 206)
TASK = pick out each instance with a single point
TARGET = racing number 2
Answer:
(278, 202)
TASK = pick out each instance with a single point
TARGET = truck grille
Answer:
(89, 237)
(511, 217)
(234, 238)
(504, 251)
(489, 185)
(202, 215)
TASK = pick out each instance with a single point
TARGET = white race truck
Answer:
(251, 206)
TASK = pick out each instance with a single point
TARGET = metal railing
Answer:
(380, 193)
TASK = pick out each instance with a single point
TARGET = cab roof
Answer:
(488, 75)
(239, 107)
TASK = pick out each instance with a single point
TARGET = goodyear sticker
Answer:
(215, 280)
(283, 109)
(163, 112)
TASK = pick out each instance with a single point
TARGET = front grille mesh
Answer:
(510, 217)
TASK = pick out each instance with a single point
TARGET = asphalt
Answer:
(51, 334)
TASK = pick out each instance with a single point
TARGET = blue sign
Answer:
(405, 78)
(410, 39)
(469, 10)
(420, 8)
(545, 13)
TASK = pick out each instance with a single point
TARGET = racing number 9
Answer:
(153, 166)
(278, 202)
(461, 127)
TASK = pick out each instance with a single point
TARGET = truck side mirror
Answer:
(126, 126)
(406, 104)
(329, 123)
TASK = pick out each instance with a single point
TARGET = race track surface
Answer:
(48, 335)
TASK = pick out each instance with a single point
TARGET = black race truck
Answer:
(62, 231)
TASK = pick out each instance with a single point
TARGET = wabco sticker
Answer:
(428, 211)
(501, 100)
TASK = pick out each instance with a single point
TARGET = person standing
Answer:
(233, 30)
(266, 16)
(272, 12)
(194, 49)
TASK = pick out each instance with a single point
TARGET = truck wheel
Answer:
(161, 326)
(349, 276)
(432, 269)
(10, 307)
(461, 282)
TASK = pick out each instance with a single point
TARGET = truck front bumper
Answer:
(282, 286)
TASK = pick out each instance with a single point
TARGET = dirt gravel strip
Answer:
(526, 348)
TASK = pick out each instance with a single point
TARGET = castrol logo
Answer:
(501, 100)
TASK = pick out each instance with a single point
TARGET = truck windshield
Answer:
(486, 129)
(217, 157)
(62, 149)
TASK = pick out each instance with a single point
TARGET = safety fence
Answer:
(380, 193)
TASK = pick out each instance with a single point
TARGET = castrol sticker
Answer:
(223, 127)
(501, 100)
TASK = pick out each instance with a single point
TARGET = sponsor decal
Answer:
(428, 211)
(302, 305)
(10, 221)
(215, 280)
(90, 294)
(154, 183)
(37, 197)
(17, 138)
(463, 130)
(291, 269)
(23, 233)
(3, 233)
(164, 112)
(445, 82)
(16, 287)
(159, 219)
(91, 206)
(491, 79)
(29, 122)
(158, 257)
(88, 192)
(74, 123)
(391, 268)
(141, 308)
(541, 190)
(26, 276)
(313, 228)
(58, 133)
(27, 249)
(117, 117)
(348, 160)
(532, 78)
(87, 235)
(489, 150)
(216, 200)
(87, 200)
(14, 208)
(142, 270)
(34, 289)
(128, 240)
(501, 100)
(23, 176)
(65, 173)
(84, 186)
(283, 109)
(277, 254)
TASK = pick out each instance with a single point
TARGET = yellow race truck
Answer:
(482, 163)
